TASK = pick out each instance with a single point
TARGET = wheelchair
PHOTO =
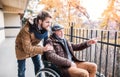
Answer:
(49, 70)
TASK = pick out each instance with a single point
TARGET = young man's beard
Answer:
(45, 28)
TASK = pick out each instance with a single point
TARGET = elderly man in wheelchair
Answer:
(63, 58)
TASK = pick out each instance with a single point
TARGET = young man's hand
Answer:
(47, 48)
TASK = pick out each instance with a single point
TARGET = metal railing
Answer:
(106, 53)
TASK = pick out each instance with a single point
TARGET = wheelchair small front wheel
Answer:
(47, 72)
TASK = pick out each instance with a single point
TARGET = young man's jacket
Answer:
(26, 44)
(59, 57)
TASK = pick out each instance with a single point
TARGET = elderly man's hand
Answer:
(92, 41)
(73, 64)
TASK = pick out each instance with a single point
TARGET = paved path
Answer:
(8, 62)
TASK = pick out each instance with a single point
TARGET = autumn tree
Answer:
(111, 16)
(65, 11)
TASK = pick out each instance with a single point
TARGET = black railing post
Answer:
(106, 63)
(95, 58)
(114, 59)
(100, 57)
(91, 47)
(71, 33)
(87, 34)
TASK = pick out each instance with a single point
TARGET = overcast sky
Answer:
(94, 7)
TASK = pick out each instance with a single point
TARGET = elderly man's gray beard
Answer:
(62, 37)
(58, 37)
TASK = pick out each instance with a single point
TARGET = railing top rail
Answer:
(94, 29)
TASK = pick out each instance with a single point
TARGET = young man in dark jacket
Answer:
(63, 57)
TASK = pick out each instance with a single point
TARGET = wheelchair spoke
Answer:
(47, 72)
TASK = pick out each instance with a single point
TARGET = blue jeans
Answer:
(22, 66)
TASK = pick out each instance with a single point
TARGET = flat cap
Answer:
(56, 27)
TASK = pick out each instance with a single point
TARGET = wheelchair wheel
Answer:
(47, 72)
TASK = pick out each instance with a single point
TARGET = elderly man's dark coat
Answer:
(59, 57)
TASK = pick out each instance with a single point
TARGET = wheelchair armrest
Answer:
(47, 63)
(50, 65)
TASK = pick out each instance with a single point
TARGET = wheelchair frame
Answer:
(48, 70)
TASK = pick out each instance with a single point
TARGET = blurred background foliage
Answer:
(72, 13)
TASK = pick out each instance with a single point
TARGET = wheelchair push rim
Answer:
(49, 71)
